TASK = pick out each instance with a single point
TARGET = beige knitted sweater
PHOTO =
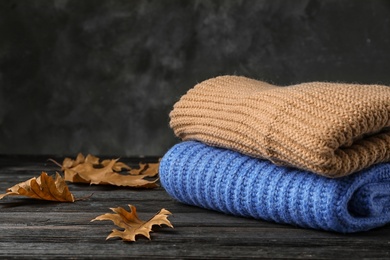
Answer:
(328, 128)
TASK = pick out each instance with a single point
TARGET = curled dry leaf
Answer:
(44, 188)
(147, 169)
(118, 166)
(90, 170)
(131, 224)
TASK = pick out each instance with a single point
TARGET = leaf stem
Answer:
(84, 198)
(55, 162)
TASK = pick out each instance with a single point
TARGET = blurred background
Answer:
(101, 76)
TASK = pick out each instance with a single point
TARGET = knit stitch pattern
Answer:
(330, 129)
(227, 181)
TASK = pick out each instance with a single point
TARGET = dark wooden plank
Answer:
(44, 230)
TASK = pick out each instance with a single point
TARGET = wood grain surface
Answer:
(36, 229)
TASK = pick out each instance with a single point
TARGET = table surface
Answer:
(37, 229)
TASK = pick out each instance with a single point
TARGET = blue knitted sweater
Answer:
(233, 183)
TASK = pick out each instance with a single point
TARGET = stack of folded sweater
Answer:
(314, 155)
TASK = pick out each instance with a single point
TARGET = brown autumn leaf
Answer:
(44, 188)
(147, 169)
(90, 170)
(80, 159)
(118, 166)
(131, 224)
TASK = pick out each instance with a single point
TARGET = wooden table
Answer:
(44, 230)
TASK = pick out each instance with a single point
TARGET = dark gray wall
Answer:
(102, 76)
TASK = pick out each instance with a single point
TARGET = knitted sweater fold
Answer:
(330, 129)
(227, 181)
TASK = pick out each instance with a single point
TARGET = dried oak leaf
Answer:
(90, 170)
(44, 188)
(80, 159)
(147, 169)
(131, 224)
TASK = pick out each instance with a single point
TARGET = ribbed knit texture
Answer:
(327, 128)
(227, 181)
